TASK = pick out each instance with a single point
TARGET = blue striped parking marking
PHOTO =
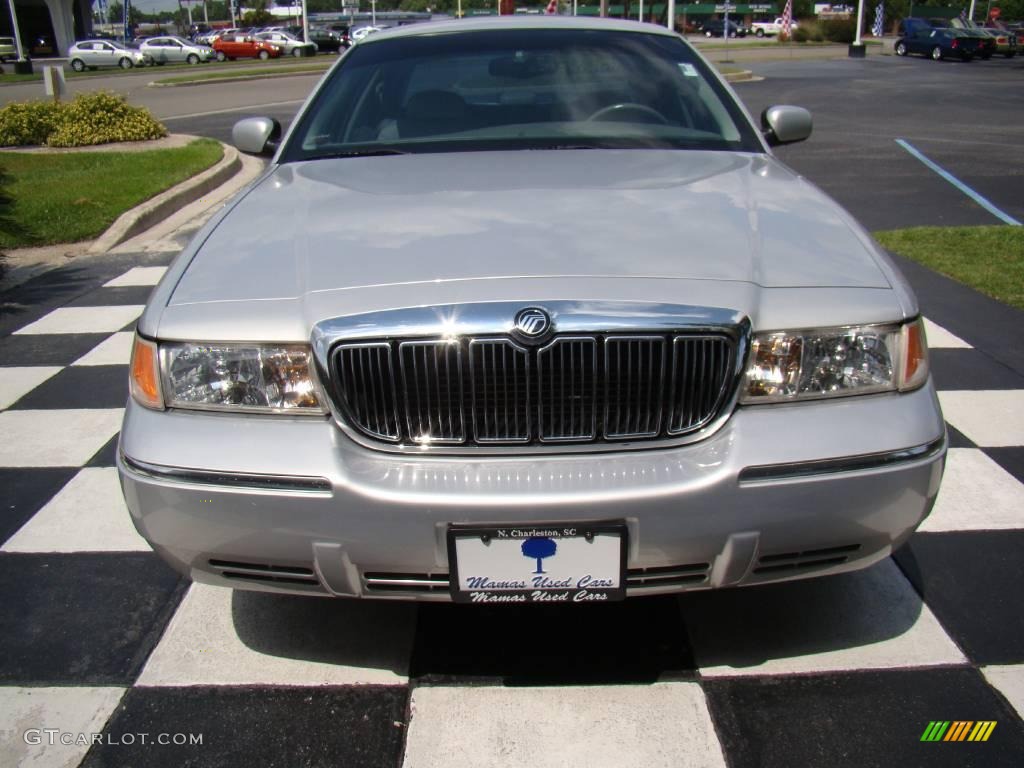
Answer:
(979, 199)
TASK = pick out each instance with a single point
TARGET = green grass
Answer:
(67, 197)
(989, 259)
(279, 71)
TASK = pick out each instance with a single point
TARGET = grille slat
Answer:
(575, 389)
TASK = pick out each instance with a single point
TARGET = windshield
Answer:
(520, 89)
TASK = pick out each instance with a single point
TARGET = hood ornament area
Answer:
(532, 323)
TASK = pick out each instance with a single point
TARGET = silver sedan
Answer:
(288, 43)
(162, 50)
(528, 311)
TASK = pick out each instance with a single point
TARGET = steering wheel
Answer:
(628, 106)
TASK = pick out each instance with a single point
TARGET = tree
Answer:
(259, 15)
(538, 548)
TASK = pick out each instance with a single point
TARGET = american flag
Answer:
(787, 19)
(879, 26)
(552, 8)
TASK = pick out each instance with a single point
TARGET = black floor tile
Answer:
(635, 641)
(958, 439)
(972, 370)
(267, 727)
(47, 348)
(85, 619)
(973, 582)
(860, 719)
(105, 456)
(1010, 459)
(25, 492)
(108, 297)
(83, 386)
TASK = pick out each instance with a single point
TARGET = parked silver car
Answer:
(161, 50)
(289, 44)
(90, 54)
(526, 310)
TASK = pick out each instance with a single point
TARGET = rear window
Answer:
(520, 89)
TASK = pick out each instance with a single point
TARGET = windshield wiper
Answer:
(359, 153)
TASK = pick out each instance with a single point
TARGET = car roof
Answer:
(515, 22)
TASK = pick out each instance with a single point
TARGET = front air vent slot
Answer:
(808, 559)
(667, 575)
(497, 391)
(266, 572)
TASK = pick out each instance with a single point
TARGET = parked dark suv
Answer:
(716, 28)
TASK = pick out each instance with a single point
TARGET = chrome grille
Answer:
(495, 391)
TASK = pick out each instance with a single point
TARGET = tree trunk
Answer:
(604, 9)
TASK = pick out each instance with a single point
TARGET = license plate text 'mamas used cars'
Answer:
(526, 310)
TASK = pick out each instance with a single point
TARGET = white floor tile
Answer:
(940, 338)
(59, 438)
(989, 418)
(221, 636)
(15, 383)
(77, 712)
(85, 320)
(87, 515)
(1009, 680)
(870, 619)
(137, 276)
(619, 726)
(976, 495)
(115, 350)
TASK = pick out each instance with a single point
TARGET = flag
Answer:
(878, 28)
(552, 8)
(963, 15)
(787, 19)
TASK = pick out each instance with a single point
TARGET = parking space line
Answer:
(979, 199)
(244, 108)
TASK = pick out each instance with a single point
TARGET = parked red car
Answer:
(244, 47)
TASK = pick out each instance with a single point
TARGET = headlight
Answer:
(229, 377)
(833, 362)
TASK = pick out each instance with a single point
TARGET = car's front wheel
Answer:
(192, 59)
(221, 56)
(264, 55)
(125, 63)
(708, 34)
(296, 52)
(78, 65)
(759, 33)
(901, 48)
(937, 53)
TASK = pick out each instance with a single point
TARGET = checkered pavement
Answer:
(98, 636)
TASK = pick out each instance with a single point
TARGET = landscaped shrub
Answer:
(801, 34)
(91, 118)
(28, 122)
(839, 30)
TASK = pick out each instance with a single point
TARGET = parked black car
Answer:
(716, 28)
(333, 38)
(920, 36)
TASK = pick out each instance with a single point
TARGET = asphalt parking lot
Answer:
(97, 635)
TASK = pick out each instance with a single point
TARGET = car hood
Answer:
(322, 239)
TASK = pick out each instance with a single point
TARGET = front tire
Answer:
(221, 56)
(936, 53)
(708, 34)
(264, 55)
(759, 33)
(296, 52)
(125, 63)
(78, 65)
(192, 59)
(901, 48)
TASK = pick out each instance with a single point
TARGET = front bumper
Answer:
(293, 505)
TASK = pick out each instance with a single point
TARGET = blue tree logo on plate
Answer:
(538, 548)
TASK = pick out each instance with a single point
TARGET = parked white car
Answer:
(289, 44)
(160, 50)
(90, 54)
(769, 28)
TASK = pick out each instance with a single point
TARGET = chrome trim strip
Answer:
(799, 469)
(228, 479)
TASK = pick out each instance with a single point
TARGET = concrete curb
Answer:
(143, 216)
(741, 77)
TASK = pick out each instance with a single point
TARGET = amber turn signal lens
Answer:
(145, 374)
(915, 355)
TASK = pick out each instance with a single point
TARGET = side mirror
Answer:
(785, 124)
(256, 135)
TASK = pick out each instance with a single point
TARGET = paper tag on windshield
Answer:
(688, 69)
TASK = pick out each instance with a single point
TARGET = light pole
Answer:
(857, 47)
(17, 36)
(671, 23)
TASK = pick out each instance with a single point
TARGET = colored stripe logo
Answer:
(958, 730)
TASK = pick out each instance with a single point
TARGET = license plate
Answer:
(543, 563)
